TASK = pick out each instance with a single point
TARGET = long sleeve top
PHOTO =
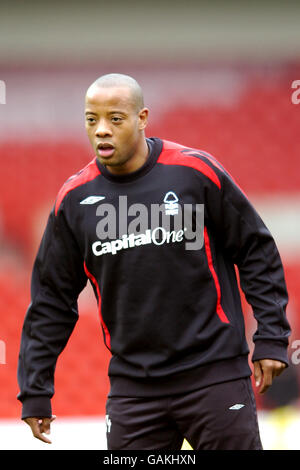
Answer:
(166, 286)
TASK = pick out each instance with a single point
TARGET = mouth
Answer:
(105, 149)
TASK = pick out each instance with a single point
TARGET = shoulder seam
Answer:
(88, 173)
(180, 158)
(218, 165)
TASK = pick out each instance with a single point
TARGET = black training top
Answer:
(168, 295)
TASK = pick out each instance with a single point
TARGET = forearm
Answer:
(44, 336)
(57, 280)
(247, 241)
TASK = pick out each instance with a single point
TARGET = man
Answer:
(168, 296)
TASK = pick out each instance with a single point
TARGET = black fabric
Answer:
(167, 312)
(218, 417)
(188, 380)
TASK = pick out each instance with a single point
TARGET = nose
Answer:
(103, 129)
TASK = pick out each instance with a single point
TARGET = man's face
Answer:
(114, 124)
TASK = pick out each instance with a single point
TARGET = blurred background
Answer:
(217, 76)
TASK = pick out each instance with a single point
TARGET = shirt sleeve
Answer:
(58, 277)
(243, 235)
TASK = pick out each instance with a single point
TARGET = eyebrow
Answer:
(115, 111)
(118, 111)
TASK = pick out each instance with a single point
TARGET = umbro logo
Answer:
(92, 199)
(237, 406)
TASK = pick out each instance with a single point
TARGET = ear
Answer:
(143, 118)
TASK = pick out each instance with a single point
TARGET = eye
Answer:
(91, 120)
(116, 119)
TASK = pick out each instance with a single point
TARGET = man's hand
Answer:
(264, 372)
(40, 426)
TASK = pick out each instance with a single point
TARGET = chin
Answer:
(115, 163)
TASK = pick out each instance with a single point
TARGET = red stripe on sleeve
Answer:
(168, 146)
(94, 281)
(219, 308)
(169, 157)
(87, 174)
(217, 165)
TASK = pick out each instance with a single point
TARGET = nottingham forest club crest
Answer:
(171, 203)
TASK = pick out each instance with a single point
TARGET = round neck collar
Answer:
(155, 147)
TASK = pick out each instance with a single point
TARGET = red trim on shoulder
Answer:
(172, 145)
(88, 173)
(188, 150)
(94, 281)
(219, 308)
(168, 145)
(217, 165)
(211, 159)
(170, 156)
